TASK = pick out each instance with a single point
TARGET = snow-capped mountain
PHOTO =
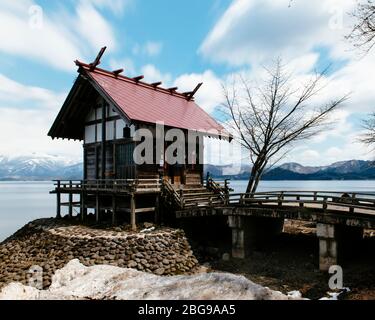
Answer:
(298, 168)
(49, 167)
(38, 167)
(343, 170)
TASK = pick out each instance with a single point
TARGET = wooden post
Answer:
(82, 207)
(103, 143)
(70, 205)
(157, 210)
(97, 208)
(132, 213)
(325, 203)
(281, 198)
(70, 200)
(113, 210)
(351, 209)
(58, 201)
(301, 203)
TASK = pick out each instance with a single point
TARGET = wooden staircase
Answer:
(191, 194)
(147, 183)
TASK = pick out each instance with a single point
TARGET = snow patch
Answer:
(75, 281)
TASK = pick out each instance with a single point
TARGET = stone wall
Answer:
(49, 245)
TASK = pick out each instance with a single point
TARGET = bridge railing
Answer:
(326, 200)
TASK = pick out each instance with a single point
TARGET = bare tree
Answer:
(363, 37)
(369, 125)
(269, 119)
(363, 33)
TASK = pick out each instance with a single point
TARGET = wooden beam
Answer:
(139, 78)
(156, 84)
(172, 90)
(96, 62)
(142, 210)
(117, 72)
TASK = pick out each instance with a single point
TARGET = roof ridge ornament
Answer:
(190, 95)
(117, 74)
(97, 61)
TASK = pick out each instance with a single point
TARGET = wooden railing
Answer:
(172, 195)
(221, 188)
(125, 185)
(325, 200)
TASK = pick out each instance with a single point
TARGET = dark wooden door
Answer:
(125, 166)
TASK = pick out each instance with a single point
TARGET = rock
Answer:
(159, 271)
(132, 264)
(76, 281)
(226, 257)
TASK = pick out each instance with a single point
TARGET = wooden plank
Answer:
(141, 210)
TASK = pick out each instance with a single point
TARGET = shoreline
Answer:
(287, 264)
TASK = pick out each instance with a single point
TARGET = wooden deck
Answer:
(113, 195)
(352, 209)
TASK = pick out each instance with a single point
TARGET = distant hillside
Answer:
(42, 168)
(38, 168)
(344, 170)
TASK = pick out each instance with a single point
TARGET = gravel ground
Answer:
(290, 263)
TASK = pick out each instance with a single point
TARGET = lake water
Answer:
(21, 202)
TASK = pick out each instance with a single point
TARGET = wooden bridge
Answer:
(339, 217)
(352, 209)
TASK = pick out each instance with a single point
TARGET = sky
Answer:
(180, 43)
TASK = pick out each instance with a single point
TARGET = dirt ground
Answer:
(290, 262)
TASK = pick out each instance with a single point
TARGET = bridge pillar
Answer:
(335, 241)
(250, 232)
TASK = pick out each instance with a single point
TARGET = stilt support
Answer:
(249, 233)
(336, 241)
(97, 209)
(113, 210)
(133, 219)
(58, 206)
(70, 205)
(83, 208)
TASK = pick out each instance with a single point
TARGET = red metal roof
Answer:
(142, 102)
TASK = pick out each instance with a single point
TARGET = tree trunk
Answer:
(251, 179)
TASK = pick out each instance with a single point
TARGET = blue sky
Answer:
(181, 43)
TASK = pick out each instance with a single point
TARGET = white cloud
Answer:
(14, 92)
(127, 64)
(152, 74)
(252, 32)
(115, 6)
(150, 48)
(30, 31)
(210, 95)
(153, 48)
(23, 129)
(94, 28)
